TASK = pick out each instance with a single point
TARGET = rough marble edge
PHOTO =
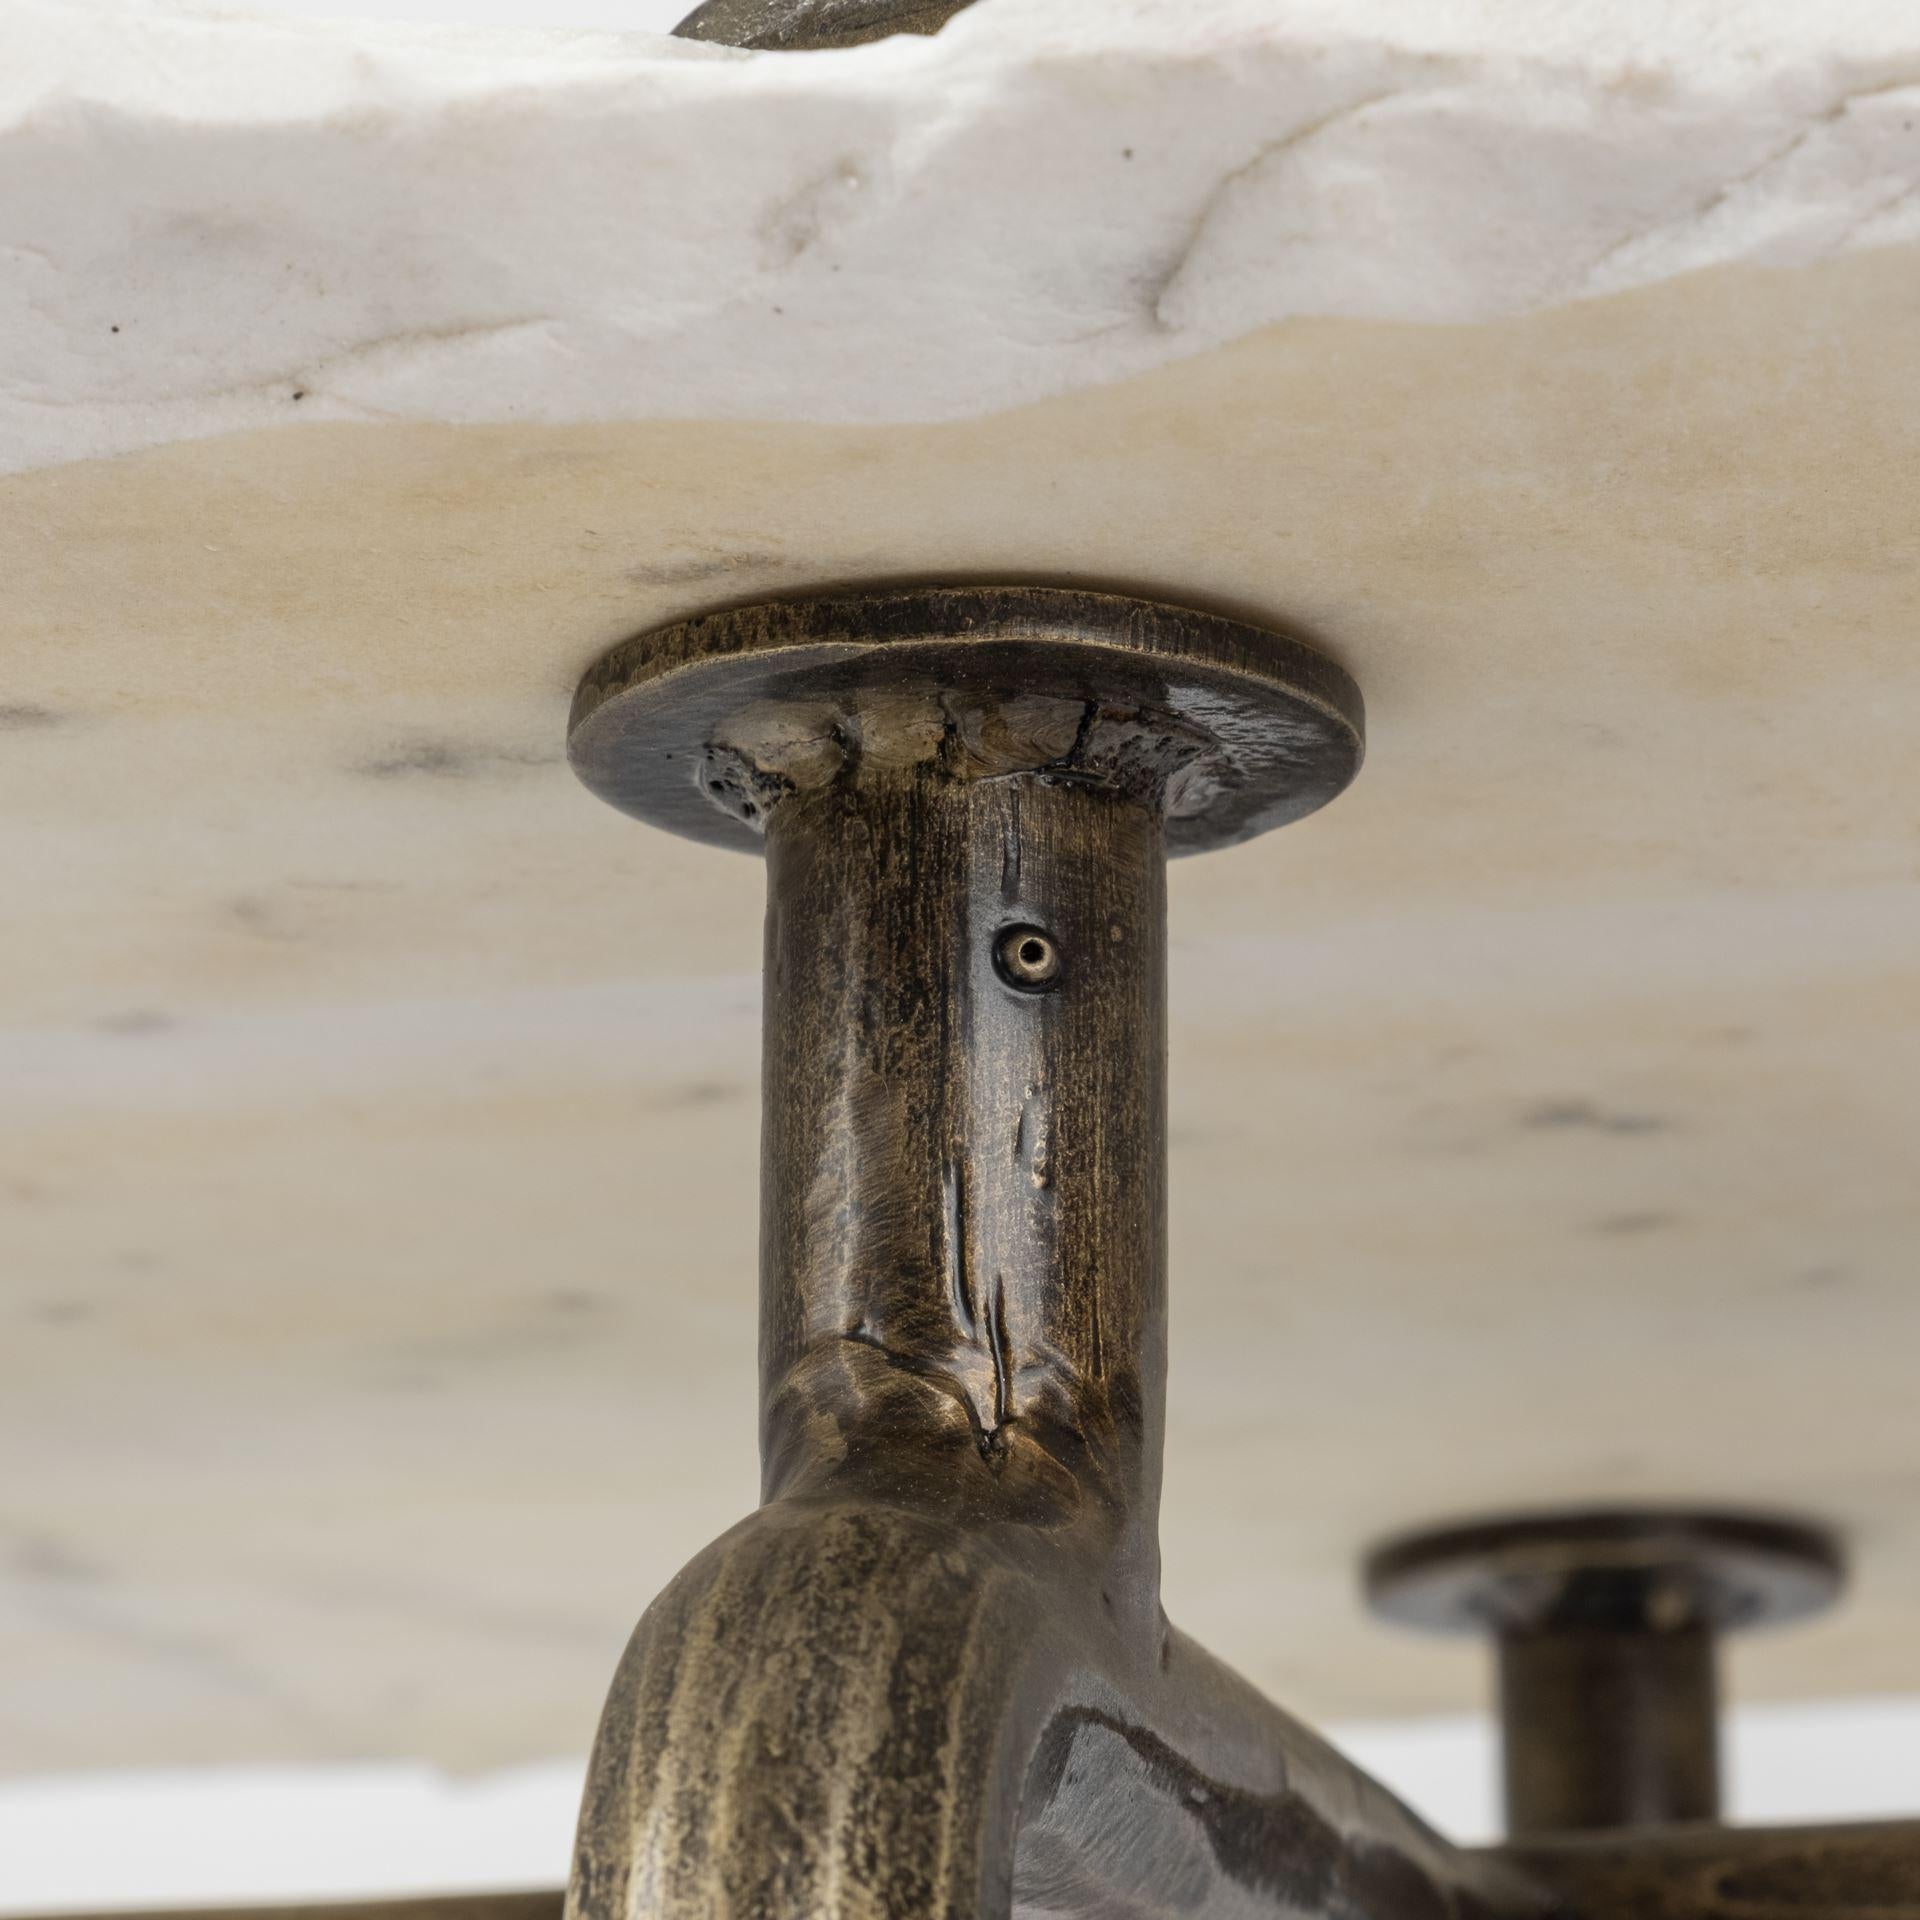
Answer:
(211, 222)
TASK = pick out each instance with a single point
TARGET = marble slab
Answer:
(213, 222)
(377, 1110)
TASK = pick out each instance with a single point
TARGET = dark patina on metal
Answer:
(791, 26)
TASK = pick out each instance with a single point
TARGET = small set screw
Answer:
(1028, 959)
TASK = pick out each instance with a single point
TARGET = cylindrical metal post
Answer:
(1602, 1727)
(964, 1147)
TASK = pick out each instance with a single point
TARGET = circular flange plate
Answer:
(702, 727)
(1633, 1570)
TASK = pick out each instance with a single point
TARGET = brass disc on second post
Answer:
(1621, 1569)
(1606, 1626)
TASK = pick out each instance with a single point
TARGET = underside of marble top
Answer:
(1544, 1112)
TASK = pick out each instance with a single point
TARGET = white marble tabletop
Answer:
(377, 1110)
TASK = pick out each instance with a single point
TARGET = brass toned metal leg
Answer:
(931, 1676)
(1605, 1727)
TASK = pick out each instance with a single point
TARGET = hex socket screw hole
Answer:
(1028, 959)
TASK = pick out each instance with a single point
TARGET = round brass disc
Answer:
(702, 727)
(1622, 1570)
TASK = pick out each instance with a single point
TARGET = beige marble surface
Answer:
(377, 1111)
